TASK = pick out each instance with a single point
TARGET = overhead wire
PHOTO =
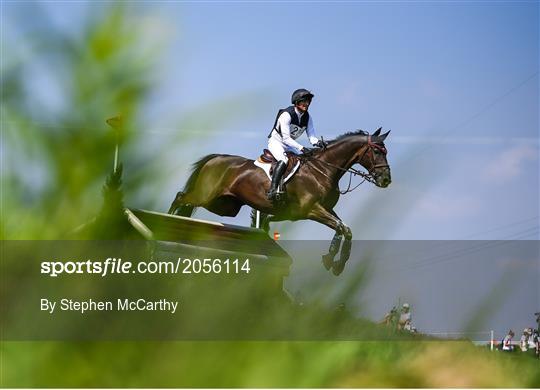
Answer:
(477, 114)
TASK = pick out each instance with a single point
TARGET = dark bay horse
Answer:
(223, 184)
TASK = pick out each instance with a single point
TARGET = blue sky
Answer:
(456, 82)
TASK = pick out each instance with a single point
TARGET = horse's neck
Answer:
(343, 154)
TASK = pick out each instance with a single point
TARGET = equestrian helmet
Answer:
(301, 94)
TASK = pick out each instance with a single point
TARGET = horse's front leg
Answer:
(328, 259)
(338, 266)
(330, 219)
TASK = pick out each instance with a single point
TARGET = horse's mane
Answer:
(348, 134)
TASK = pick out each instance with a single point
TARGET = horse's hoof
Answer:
(328, 261)
(345, 251)
(338, 267)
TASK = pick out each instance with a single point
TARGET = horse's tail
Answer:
(195, 170)
(180, 208)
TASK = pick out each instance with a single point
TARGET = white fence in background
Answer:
(478, 338)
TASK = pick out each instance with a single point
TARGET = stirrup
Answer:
(272, 194)
(275, 196)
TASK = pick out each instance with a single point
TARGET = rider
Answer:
(390, 318)
(290, 123)
(524, 340)
(405, 318)
(507, 341)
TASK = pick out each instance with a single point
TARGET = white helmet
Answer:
(406, 306)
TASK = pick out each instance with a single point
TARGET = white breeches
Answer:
(278, 149)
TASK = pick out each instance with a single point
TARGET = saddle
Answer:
(267, 158)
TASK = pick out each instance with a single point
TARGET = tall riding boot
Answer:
(278, 172)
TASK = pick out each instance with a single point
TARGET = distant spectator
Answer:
(390, 318)
(507, 342)
(532, 338)
(536, 341)
(405, 318)
(524, 340)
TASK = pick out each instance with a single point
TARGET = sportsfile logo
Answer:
(109, 266)
(112, 266)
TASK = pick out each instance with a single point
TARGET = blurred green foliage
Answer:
(57, 155)
(264, 364)
(52, 174)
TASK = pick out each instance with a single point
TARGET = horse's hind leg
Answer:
(178, 207)
(177, 202)
(264, 221)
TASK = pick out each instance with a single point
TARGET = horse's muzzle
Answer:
(383, 178)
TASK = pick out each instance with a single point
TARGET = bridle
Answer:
(370, 176)
(381, 148)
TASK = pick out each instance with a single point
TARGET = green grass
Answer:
(263, 364)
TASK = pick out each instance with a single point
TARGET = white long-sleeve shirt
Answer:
(507, 343)
(289, 133)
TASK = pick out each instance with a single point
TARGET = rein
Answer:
(366, 176)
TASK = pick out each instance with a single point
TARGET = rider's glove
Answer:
(320, 144)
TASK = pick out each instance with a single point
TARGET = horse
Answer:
(223, 183)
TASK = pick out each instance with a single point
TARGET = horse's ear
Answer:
(383, 137)
(377, 132)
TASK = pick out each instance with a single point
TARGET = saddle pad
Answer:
(266, 168)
